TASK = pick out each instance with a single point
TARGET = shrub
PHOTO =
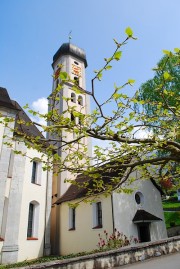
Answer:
(115, 240)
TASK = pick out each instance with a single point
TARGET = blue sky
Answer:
(32, 31)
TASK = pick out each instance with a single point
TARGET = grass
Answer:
(47, 259)
(171, 204)
(172, 219)
(38, 261)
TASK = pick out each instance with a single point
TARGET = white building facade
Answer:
(138, 215)
(25, 191)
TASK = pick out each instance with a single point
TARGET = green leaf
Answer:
(76, 113)
(167, 76)
(26, 106)
(131, 81)
(129, 32)
(117, 55)
(117, 96)
(99, 76)
(167, 52)
(177, 50)
(63, 75)
(108, 67)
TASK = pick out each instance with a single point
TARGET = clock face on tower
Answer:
(76, 70)
(57, 72)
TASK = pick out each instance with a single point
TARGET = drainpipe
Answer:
(112, 207)
(46, 224)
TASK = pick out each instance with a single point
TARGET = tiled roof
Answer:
(79, 190)
(84, 183)
(74, 191)
(30, 130)
(22, 128)
(144, 216)
(5, 100)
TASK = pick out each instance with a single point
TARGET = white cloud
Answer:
(142, 133)
(40, 105)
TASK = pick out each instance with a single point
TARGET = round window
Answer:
(139, 198)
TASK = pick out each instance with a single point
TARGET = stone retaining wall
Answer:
(115, 258)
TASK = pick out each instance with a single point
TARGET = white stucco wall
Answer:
(125, 208)
(1, 134)
(18, 192)
(1, 245)
(30, 249)
(84, 237)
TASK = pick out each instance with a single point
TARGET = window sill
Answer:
(98, 227)
(36, 184)
(32, 238)
(72, 229)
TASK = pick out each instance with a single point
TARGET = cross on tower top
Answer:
(70, 37)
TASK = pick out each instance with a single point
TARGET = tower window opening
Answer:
(79, 121)
(76, 80)
(57, 82)
(73, 97)
(76, 63)
(72, 117)
(57, 99)
(80, 100)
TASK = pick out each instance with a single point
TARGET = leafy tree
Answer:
(110, 166)
(169, 94)
(167, 73)
(169, 65)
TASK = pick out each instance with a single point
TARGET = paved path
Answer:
(171, 261)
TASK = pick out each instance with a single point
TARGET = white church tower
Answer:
(72, 60)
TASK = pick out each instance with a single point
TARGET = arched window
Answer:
(97, 215)
(76, 80)
(36, 171)
(80, 100)
(79, 120)
(72, 218)
(73, 97)
(33, 220)
(72, 117)
(57, 82)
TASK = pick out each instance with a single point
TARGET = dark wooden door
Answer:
(144, 232)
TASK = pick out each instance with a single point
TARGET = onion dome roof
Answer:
(70, 49)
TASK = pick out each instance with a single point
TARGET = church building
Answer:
(76, 229)
(36, 218)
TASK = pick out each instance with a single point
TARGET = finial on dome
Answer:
(70, 37)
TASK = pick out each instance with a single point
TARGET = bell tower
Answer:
(72, 60)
